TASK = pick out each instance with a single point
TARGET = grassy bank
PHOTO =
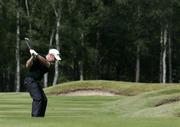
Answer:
(117, 87)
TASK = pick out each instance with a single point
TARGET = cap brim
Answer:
(57, 57)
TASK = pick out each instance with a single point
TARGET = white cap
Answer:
(55, 53)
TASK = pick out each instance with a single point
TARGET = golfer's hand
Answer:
(33, 52)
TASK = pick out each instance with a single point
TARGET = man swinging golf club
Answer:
(38, 65)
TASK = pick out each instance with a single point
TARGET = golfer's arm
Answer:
(43, 61)
(29, 62)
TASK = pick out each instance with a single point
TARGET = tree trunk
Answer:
(4, 77)
(164, 54)
(138, 64)
(161, 52)
(170, 58)
(50, 45)
(45, 80)
(28, 14)
(96, 58)
(138, 43)
(8, 79)
(17, 89)
(76, 68)
(81, 69)
(58, 17)
(51, 38)
(163, 42)
(56, 75)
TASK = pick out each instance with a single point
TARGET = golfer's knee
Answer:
(38, 98)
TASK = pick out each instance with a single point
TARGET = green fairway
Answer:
(73, 112)
(154, 108)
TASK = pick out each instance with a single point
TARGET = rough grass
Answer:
(138, 110)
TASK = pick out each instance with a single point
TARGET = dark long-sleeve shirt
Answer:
(37, 70)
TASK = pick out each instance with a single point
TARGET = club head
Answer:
(27, 39)
(27, 42)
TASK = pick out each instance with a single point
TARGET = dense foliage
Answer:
(99, 39)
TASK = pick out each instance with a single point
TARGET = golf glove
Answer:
(33, 52)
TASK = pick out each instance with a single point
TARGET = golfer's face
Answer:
(50, 58)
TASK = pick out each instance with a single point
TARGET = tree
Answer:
(57, 11)
(164, 13)
(18, 46)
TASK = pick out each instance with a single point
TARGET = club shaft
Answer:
(28, 45)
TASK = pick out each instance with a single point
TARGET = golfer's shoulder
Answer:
(47, 63)
(42, 55)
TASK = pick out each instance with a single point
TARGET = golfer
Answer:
(38, 65)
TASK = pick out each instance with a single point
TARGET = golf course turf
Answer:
(135, 105)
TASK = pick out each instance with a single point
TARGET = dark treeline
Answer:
(128, 40)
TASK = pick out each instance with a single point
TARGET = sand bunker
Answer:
(88, 93)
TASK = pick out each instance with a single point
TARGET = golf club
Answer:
(27, 42)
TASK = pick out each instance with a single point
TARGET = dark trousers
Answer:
(39, 98)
